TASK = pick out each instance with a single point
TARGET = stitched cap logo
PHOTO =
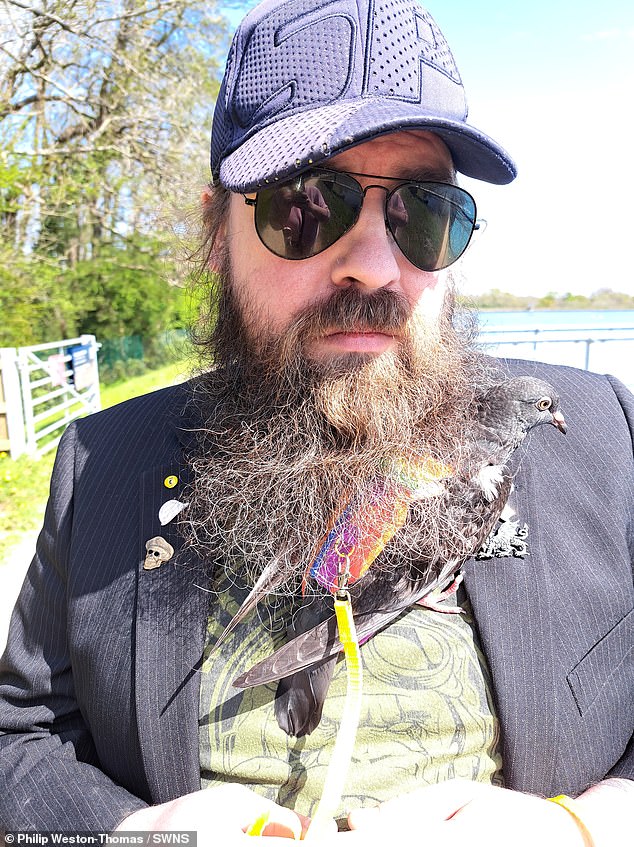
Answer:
(323, 55)
(306, 79)
(277, 70)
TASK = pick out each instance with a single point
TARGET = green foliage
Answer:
(143, 383)
(23, 492)
(501, 301)
(36, 302)
(602, 299)
(124, 96)
(123, 290)
(121, 370)
(607, 299)
(129, 356)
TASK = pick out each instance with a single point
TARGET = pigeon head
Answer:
(536, 402)
(514, 407)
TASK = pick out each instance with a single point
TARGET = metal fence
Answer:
(604, 350)
(43, 388)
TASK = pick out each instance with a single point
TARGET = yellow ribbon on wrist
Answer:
(572, 808)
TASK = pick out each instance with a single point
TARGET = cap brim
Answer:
(292, 144)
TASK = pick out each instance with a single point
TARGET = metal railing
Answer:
(583, 343)
(46, 387)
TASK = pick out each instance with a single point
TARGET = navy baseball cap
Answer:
(306, 79)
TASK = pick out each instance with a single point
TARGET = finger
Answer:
(276, 821)
(284, 826)
(433, 804)
(366, 819)
(320, 831)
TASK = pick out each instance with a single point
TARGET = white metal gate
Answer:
(44, 388)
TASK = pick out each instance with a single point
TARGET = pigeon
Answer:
(506, 413)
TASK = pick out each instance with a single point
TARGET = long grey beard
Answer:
(287, 444)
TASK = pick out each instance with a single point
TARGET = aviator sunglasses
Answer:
(432, 222)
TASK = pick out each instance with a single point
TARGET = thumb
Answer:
(272, 820)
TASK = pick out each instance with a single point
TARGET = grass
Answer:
(24, 482)
(150, 381)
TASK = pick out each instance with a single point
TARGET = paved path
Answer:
(13, 566)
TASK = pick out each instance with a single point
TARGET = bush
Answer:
(113, 373)
(135, 367)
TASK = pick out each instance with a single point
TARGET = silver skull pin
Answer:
(158, 551)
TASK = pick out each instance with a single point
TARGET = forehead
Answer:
(411, 153)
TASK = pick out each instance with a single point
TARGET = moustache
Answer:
(349, 310)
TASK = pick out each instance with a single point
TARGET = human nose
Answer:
(367, 255)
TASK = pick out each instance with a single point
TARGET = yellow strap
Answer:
(346, 736)
(572, 808)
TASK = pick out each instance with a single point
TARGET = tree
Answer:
(103, 106)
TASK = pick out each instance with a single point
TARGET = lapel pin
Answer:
(170, 481)
(169, 510)
(508, 539)
(158, 551)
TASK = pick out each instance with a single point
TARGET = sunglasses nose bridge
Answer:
(388, 192)
(365, 190)
(391, 226)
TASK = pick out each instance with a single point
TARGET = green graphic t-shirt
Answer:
(427, 712)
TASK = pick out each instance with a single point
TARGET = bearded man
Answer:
(336, 363)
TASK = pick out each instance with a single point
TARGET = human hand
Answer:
(294, 197)
(459, 812)
(219, 815)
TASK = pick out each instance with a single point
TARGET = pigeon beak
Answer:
(559, 421)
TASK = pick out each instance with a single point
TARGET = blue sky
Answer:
(553, 82)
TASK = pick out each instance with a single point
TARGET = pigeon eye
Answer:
(544, 404)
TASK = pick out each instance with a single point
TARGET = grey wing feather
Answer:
(268, 581)
(321, 641)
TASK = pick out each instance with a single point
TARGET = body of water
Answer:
(600, 341)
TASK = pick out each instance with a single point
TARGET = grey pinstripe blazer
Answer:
(99, 685)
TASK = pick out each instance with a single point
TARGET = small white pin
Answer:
(169, 510)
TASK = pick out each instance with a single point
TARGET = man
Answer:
(337, 362)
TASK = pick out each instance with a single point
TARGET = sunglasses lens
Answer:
(301, 218)
(431, 223)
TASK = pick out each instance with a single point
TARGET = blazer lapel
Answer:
(171, 618)
(510, 598)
